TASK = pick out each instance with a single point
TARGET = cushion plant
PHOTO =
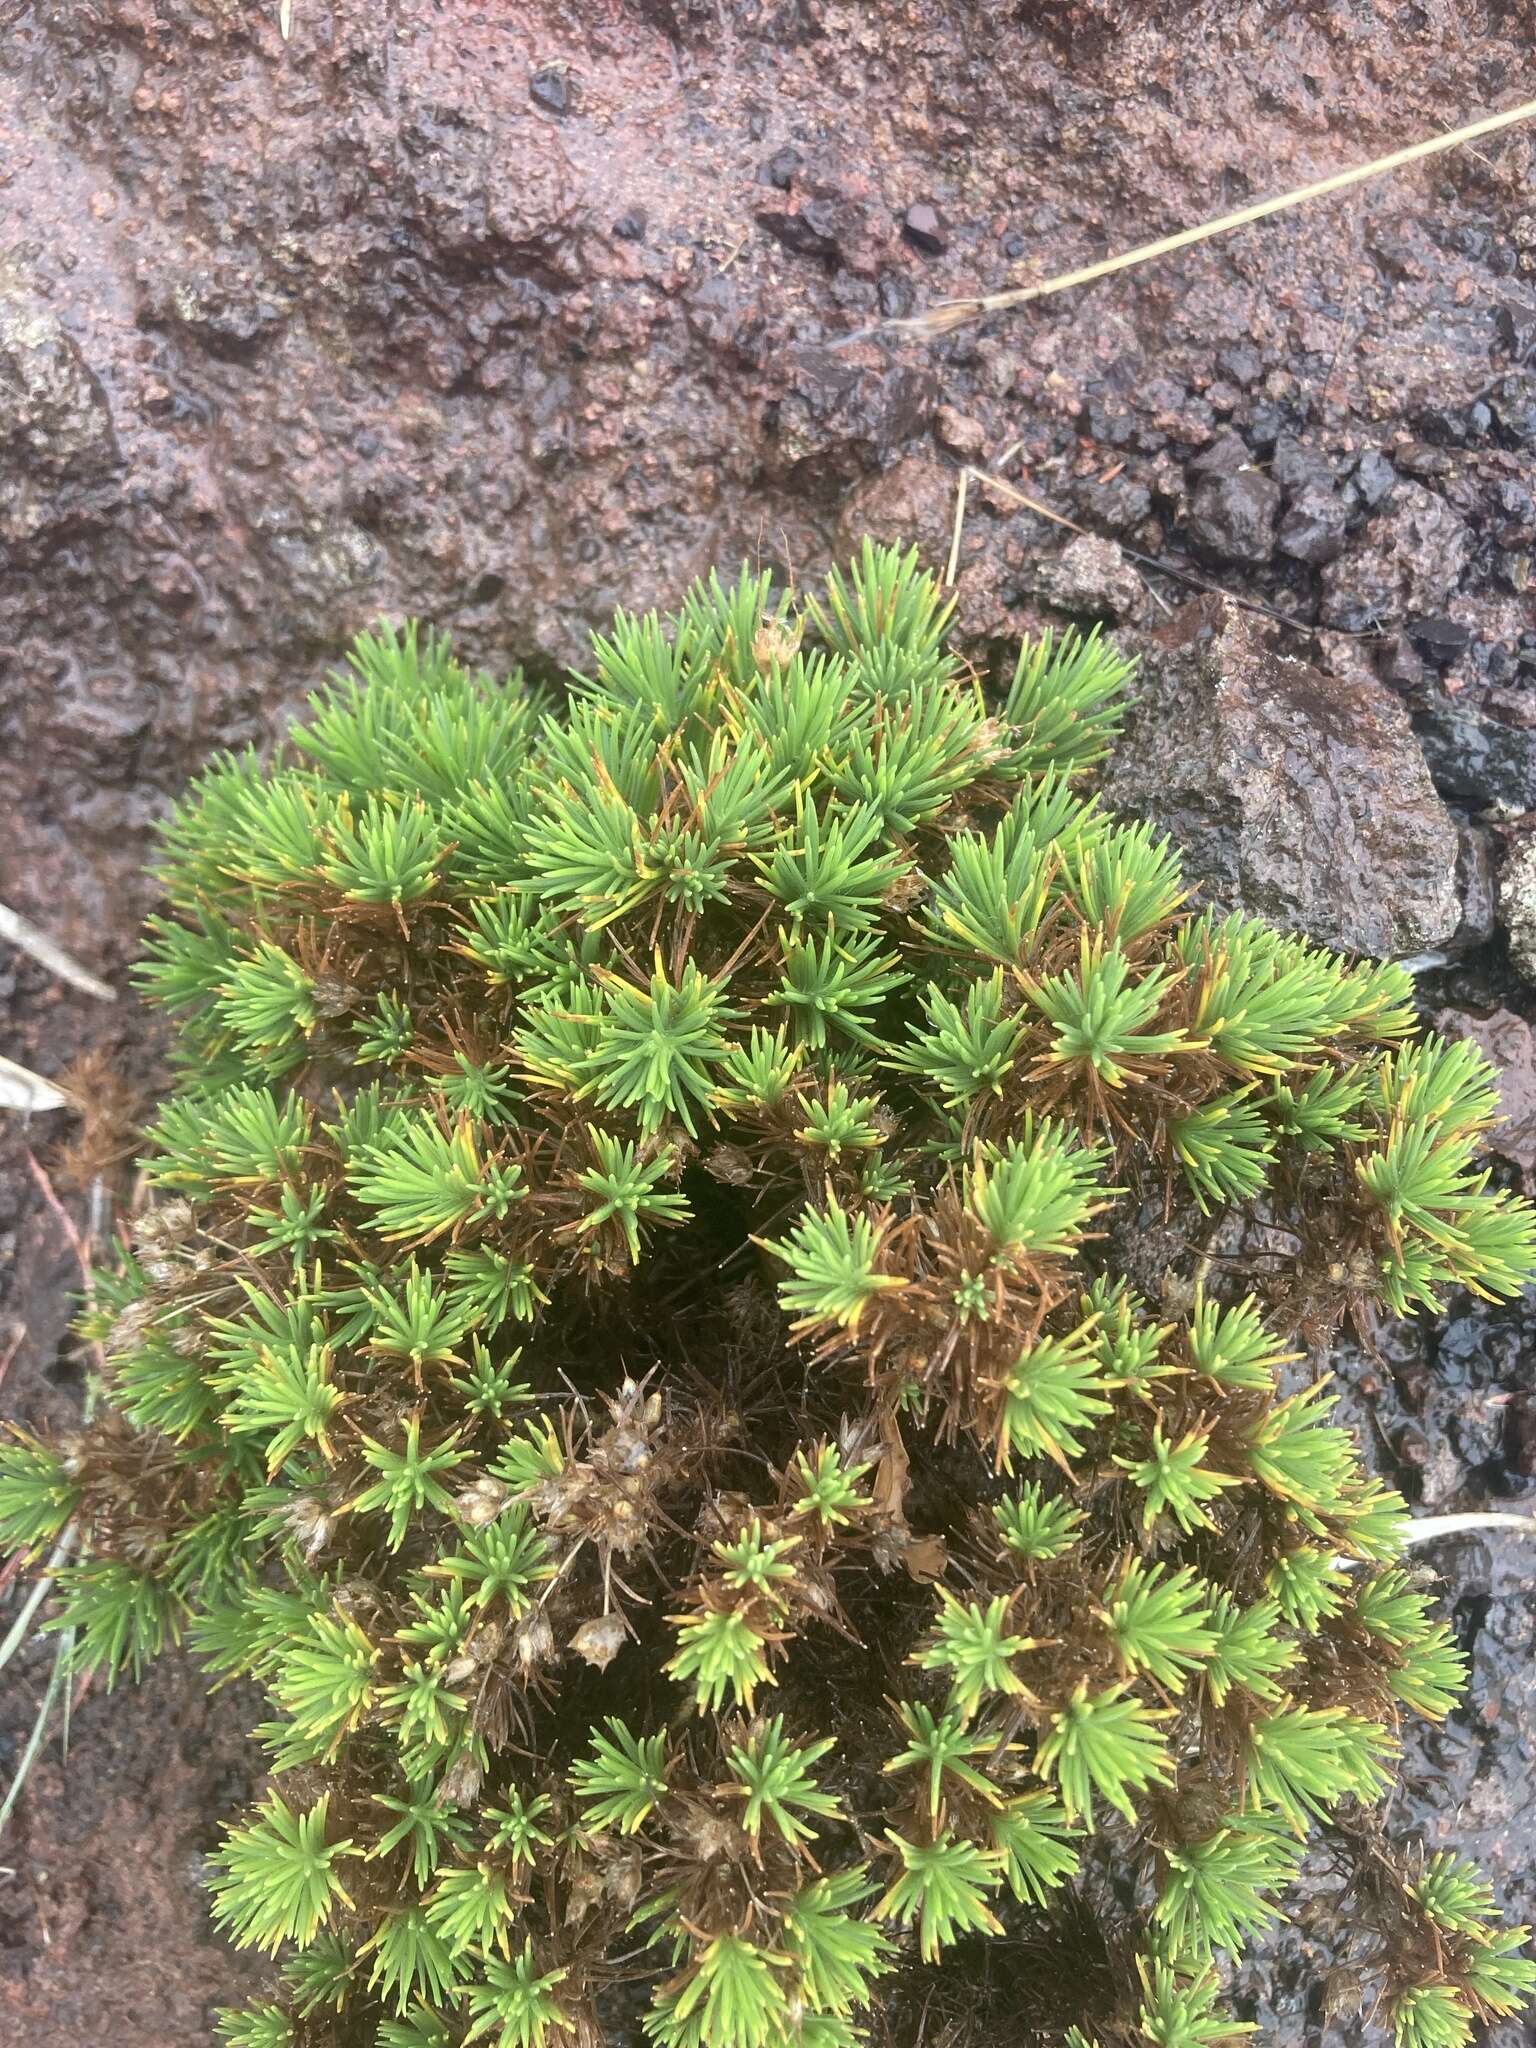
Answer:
(680, 1343)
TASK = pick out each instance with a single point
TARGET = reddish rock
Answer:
(960, 433)
(1510, 1043)
(1520, 1435)
(912, 503)
(1517, 902)
(1093, 579)
(1408, 561)
(1299, 796)
(1232, 518)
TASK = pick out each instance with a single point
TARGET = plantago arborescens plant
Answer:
(632, 1352)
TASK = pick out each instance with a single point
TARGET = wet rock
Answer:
(1398, 662)
(1314, 525)
(1520, 1435)
(911, 504)
(894, 295)
(1515, 514)
(321, 561)
(1407, 561)
(1373, 477)
(1461, 1434)
(1121, 505)
(1296, 467)
(1449, 424)
(1474, 1422)
(960, 432)
(1232, 518)
(1225, 456)
(1481, 1346)
(1516, 326)
(1177, 414)
(923, 227)
(806, 230)
(1442, 639)
(847, 416)
(1517, 904)
(1091, 578)
(1515, 705)
(1299, 796)
(1476, 887)
(783, 23)
(780, 169)
(1514, 409)
(685, 21)
(827, 220)
(1510, 1043)
(228, 309)
(1414, 1453)
(477, 189)
(1242, 364)
(1347, 656)
(57, 445)
(554, 88)
(1423, 459)
(1475, 757)
(1110, 421)
(101, 727)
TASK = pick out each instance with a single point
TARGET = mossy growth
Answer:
(658, 1348)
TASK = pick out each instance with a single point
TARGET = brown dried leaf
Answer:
(925, 1559)
(892, 1480)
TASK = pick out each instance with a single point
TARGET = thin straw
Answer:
(951, 313)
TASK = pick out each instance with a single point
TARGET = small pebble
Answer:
(1374, 477)
(960, 434)
(922, 227)
(1412, 1447)
(1443, 637)
(1517, 330)
(553, 88)
(895, 295)
(781, 167)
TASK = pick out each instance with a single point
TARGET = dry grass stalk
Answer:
(31, 1093)
(56, 1694)
(949, 314)
(22, 933)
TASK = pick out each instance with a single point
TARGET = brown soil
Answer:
(509, 314)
